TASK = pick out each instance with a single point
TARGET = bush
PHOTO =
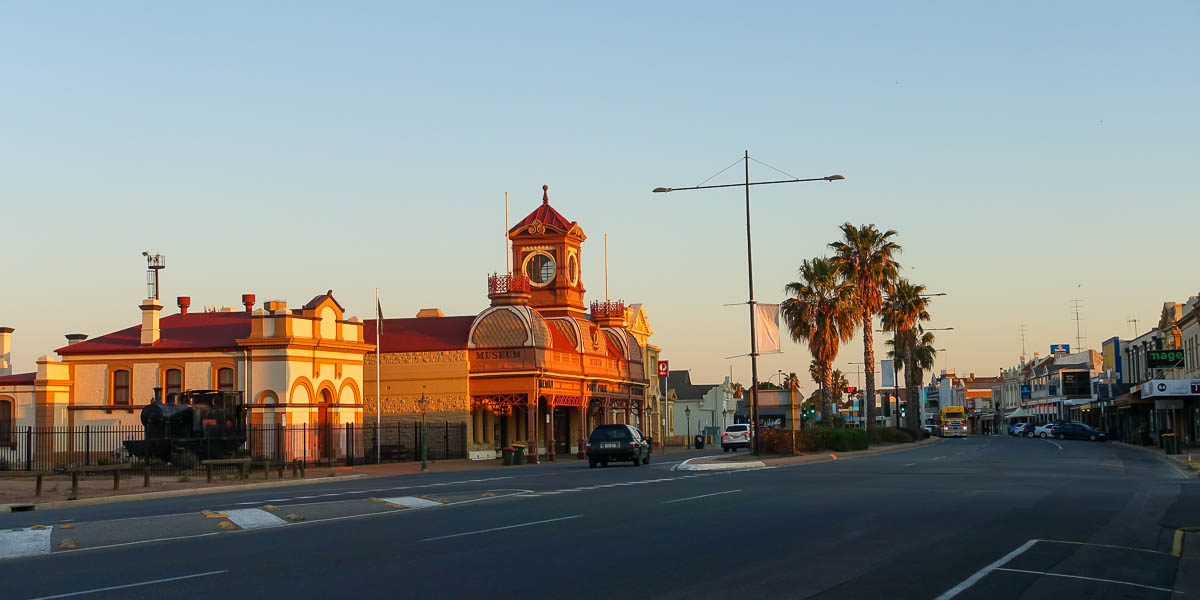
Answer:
(774, 441)
(814, 439)
(844, 440)
(891, 435)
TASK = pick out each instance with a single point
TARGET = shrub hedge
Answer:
(818, 438)
(891, 435)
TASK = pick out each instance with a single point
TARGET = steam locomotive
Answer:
(190, 426)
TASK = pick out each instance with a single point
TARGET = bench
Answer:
(115, 469)
(243, 465)
(38, 474)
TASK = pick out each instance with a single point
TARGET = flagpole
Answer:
(606, 267)
(507, 258)
(378, 381)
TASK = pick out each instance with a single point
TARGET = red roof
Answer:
(559, 341)
(421, 334)
(546, 215)
(207, 331)
(19, 379)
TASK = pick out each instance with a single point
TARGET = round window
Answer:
(539, 268)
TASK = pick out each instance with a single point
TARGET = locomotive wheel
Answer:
(184, 459)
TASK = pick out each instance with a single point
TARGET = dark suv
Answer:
(617, 442)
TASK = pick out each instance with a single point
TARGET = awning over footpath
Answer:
(1020, 413)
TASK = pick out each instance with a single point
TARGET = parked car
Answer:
(932, 429)
(1025, 430)
(1044, 431)
(1079, 431)
(735, 436)
(1015, 428)
(617, 442)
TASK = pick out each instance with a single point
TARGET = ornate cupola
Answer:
(545, 248)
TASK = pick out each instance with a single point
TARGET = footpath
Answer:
(1188, 464)
(723, 462)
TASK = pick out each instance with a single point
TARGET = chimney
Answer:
(75, 338)
(971, 377)
(274, 306)
(248, 302)
(6, 350)
(150, 309)
(430, 313)
(184, 302)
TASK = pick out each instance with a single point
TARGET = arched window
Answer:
(6, 422)
(173, 382)
(225, 380)
(120, 393)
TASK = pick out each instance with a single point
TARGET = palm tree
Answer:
(820, 312)
(738, 389)
(791, 383)
(866, 257)
(904, 312)
(840, 386)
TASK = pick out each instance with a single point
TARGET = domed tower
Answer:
(545, 248)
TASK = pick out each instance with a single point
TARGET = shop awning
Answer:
(1020, 413)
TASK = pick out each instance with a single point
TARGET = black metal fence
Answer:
(59, 449)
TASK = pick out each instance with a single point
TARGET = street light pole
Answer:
(750, 279)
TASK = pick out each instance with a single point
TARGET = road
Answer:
(980, 517)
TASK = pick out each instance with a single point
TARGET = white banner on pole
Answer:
(766, 322)
(888, 373)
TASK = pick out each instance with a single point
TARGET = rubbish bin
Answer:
(1170, 443)
(699, 439)
(518, 454)
(507, 453)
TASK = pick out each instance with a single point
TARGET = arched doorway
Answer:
(325, 442)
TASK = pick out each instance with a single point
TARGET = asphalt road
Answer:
(981, 517)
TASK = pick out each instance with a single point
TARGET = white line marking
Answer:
(454, 535)
(253, 518)
(908, 465)
(24, 542)
(1082, 577)
(1056, 445)
(130, 585)
(937, 458)
(412, 502)
(1106, 546)
(702, 496)
(980, 574)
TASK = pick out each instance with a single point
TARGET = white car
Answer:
(735, 436)
(1044, 431)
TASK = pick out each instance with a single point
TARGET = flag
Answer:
(378, 319)
(766, 323)
(888, 372)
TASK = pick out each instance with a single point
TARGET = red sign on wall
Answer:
(663, 368)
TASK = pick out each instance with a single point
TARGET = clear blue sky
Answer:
(1028, 154)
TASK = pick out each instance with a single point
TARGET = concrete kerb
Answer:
(689, 465)
(1177, 464)
(187, 492)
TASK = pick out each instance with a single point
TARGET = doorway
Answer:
(562, 431)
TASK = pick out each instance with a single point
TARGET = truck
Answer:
(953, 422)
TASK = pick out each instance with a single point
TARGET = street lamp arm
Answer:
(728, 185)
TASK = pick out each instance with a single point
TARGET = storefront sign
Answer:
(1170, 387)
(1164, 359)
(1060, 348)
(1026, 390)
(496, 354)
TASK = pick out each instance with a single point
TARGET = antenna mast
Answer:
(1078, 334)
(1021, 335)
(1133, 321)
(154, 264)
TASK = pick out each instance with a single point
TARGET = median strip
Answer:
(25, 542)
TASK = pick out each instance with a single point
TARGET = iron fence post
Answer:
(28, 447)
(304, 432)
(87, 445)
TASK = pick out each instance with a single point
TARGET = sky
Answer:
(1028, 154)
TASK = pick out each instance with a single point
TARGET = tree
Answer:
(820, 313)
(840, 385)
(791, 383)
(738, 389)
(904, 312)
(865, 257)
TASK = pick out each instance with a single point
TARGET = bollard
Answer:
(74, 484)
(146, 477)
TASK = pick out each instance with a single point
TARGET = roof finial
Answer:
(546, 195)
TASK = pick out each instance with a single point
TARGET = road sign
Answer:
(664, 368)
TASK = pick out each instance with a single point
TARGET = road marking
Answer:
(253, 518)
(980, 574)
(702, 496)
(1049, 442)
(131, 585)
(454, 535)
(937, 458)
(24, 542)
(1177, 543)
(1103, 546)
(908, 465)
(412, 502)
(1150, 587)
